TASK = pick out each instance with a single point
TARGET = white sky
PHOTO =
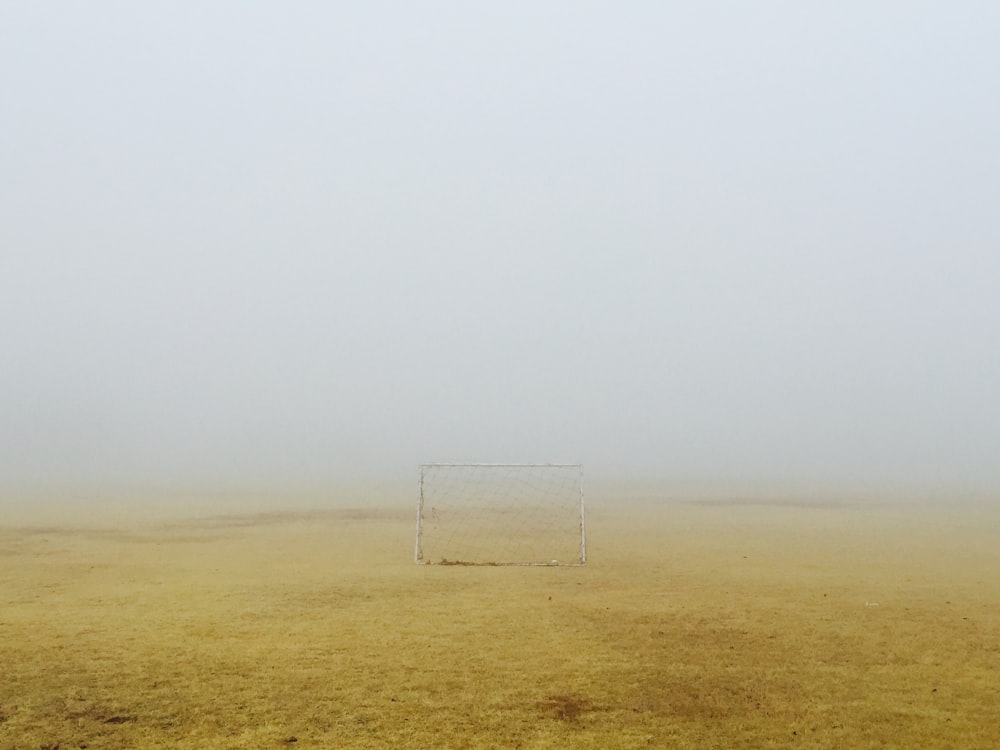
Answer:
(265, 243)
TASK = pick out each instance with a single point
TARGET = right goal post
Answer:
(500, 514)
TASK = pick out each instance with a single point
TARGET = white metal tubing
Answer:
(418, 549)
(583, 524)
(418, 552)
(552, 466)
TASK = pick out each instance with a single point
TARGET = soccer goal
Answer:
(501, 514)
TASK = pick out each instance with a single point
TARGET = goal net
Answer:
(500, 514)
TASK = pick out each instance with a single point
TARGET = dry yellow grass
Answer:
(701, 625)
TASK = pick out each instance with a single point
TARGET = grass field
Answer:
(697, 623)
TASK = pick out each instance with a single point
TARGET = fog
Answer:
(262, 244)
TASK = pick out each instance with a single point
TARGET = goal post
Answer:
(500, 514)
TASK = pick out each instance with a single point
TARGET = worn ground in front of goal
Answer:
(705, 623)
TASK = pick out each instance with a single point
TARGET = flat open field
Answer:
(704, 623)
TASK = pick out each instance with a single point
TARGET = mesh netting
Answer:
(479, 514)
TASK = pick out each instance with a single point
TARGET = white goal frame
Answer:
(570, 500)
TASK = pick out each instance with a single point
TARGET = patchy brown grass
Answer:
(709, 625)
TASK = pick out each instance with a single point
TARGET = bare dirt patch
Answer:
(245, 520)
(120, 720)
(568, 708)
(763, 502)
